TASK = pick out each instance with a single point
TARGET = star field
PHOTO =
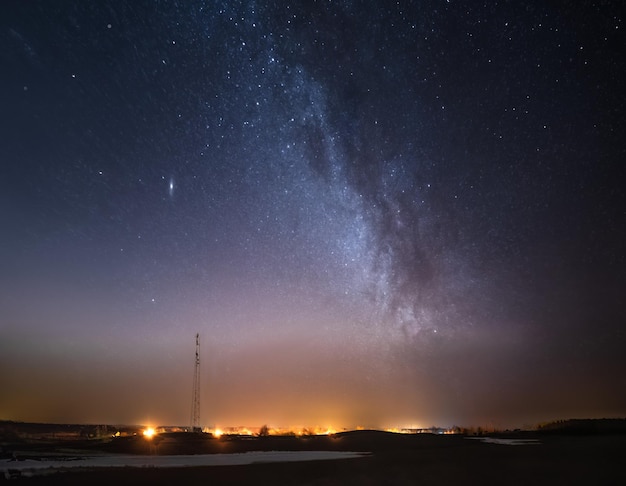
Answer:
(374, 214)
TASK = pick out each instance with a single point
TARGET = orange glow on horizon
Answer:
(272, 431)
(149, 432)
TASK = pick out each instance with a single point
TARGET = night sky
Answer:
(378, 214)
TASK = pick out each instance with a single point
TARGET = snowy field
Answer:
(513, 442)
(39, 466)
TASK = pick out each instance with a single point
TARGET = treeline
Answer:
(584, 426)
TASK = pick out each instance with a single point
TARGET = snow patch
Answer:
(34, 466)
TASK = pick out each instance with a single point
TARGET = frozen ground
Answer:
(35, 466)
(514, 442)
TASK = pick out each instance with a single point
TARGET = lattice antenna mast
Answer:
(195, 400)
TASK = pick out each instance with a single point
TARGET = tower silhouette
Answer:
(195, 398)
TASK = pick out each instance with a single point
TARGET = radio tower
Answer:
(195, 400)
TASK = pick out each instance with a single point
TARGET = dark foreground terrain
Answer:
(395, 460)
